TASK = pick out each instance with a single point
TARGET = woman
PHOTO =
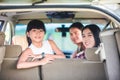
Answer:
(90, 36)
(40, 51)
(76, 36)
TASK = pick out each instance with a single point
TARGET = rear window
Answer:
(51, 33)
(63, 42)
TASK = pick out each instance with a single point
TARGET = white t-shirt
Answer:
(46, 48)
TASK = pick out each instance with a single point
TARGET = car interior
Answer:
(103, 62)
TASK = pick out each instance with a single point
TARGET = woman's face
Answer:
(88, 38)
(36, 35)
(76, 35)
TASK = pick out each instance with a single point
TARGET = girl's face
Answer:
(76, 35)
(88, 38)
(36, 35)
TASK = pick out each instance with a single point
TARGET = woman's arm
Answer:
(73, 54)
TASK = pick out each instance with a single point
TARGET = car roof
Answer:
(24, 8)
(57, 1)
(110, 4)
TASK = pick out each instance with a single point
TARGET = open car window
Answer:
(62, 39)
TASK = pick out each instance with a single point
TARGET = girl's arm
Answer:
(22, 63)
(59, 53)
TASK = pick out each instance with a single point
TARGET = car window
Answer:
(1, 24)
(8, 33)
(63, 42)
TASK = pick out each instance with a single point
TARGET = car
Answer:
(58, 16)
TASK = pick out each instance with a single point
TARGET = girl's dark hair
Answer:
(76, 25)
(34, 24)
(95, 31)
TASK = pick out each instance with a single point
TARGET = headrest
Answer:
(117, 35)
(13, 51)
(20, 40)
(2, 53)
(90, 54)
(2, 38)
(108, 32)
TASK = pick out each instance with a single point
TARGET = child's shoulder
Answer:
(27, 51)
(48, 41)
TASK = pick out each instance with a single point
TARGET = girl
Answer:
(39, 52)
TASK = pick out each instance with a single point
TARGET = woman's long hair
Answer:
(95, 31)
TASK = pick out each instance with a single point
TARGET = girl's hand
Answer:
(38, 56)
(47, 59)
(33, 58)
(50, 55)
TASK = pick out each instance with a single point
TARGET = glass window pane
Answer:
(8, 34)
